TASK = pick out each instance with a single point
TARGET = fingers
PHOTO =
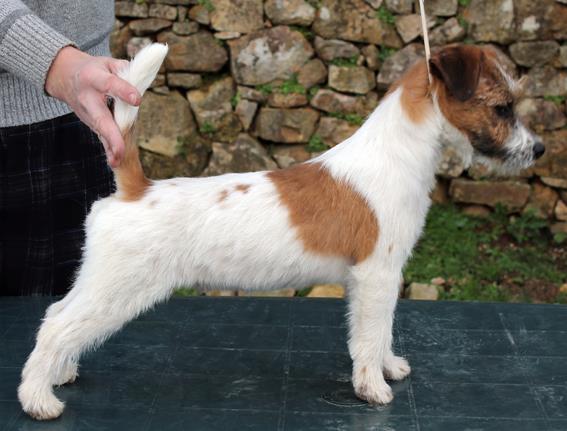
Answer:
(101, 121)
(115, 66)
(116, 87)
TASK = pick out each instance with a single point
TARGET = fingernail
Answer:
(133, 98)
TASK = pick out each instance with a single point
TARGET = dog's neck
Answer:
(391, 149)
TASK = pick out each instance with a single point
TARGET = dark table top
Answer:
(282, 364)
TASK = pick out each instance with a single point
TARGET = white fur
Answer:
(140, 72)
(208, 232)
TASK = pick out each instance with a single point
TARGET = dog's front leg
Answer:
(372, 300)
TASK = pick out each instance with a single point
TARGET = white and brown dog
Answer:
(350, 216)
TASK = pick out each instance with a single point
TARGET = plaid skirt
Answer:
(50, 174)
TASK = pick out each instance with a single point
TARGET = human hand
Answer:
(84, 82)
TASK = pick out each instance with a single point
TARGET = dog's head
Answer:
(477, 98)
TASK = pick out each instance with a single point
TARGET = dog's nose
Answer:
(539, 149)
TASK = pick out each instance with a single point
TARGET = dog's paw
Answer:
(378, 394)
(40, 404)
(396, 368)
(69, 376)
(369, 385)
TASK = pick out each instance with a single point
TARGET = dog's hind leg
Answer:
(104, 303)
(372, 300)
(71, 371)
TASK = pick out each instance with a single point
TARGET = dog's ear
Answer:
(458, 67)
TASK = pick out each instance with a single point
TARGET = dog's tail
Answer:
(140, 72)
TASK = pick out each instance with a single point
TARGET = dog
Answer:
(350, 216)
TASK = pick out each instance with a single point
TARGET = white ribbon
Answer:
(425, 38)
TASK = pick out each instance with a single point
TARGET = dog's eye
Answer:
(504, 111)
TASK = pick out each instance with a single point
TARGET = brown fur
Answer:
(462, 72)
(331, 218)
(415, 98)
(130, 179)
(476, 116)
(242, 188)
(222, 196)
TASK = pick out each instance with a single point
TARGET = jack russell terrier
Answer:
(350, 216)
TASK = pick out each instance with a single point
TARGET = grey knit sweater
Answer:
(31, 34)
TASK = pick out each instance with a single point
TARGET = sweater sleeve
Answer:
(28, 45)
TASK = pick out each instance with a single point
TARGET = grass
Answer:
(234, 100)
(316, 144)
(207, 5)
(208, 129)
(386, 52)
(493, 259)
(384, 15)
(355, 119)
(305, 31)
(313, 91)
(265, 89)
(464, 3)
(289, 86)
(555, 99)
(185, 292)
(345, 62)
(463, 22)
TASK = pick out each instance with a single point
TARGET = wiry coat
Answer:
(350, 216)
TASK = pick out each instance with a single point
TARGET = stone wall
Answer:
(253, 84)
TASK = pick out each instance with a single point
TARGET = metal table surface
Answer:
(282, 364)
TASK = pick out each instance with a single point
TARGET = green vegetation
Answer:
(291, 86)
(384, 15)
(464, 3)
(234, 100)
(555, 99)
(313, 91)
(560, 238)
(207, 129)
(345, 62)
(207, 5)
(316, 144)
(493, 259)
(265, 89)
(186, 291)
(305, 31)
(386, 52)
(463, 22)
(181, 145)
(315, 3)
(351, 118)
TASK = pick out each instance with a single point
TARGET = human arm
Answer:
(34, 51)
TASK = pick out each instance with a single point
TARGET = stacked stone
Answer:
(262, 84)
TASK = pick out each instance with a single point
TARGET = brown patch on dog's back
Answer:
(242, 188)
(223, 195)
(331, 218)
